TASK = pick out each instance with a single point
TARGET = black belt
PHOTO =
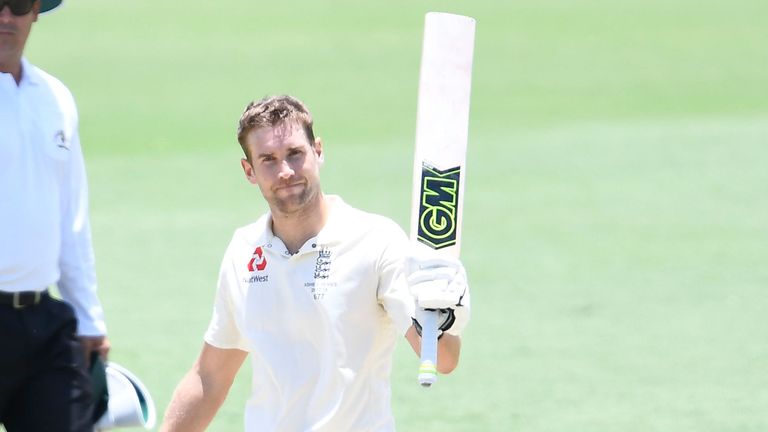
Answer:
(20, 300)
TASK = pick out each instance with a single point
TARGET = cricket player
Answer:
(45, 240)
(317, 292)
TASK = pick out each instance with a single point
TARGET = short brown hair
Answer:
(273, 111)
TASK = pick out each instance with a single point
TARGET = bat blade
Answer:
(442, 125)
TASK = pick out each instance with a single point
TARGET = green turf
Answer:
(616, 221)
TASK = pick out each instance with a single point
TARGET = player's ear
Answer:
(318, 148)
(248, 170)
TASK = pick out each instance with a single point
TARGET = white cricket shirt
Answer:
(320, 325)
(44, 228)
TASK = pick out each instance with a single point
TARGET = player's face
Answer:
(14, 31)
(285, 166)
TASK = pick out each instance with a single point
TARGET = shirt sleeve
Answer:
(77, 283)
(223, 331)
(393, 292)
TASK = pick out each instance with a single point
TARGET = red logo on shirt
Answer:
(258, 262)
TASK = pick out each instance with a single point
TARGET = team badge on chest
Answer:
(320, 283)
(323, 264)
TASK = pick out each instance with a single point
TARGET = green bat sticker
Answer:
(437, 210)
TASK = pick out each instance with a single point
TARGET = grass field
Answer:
(616, 222)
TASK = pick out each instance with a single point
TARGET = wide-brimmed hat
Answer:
(46, 5)
(120, 398)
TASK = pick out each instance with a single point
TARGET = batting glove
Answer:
(439, 282)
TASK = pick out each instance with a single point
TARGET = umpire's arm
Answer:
(203, 389)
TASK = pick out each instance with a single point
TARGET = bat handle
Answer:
(428, 367)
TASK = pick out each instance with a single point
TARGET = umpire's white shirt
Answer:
(320, 325)
(44, 227)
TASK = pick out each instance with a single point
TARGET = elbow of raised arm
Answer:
(448, 352)
(446, 367)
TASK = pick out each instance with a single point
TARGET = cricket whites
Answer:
(442, 124)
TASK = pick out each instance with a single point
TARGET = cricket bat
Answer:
(442, 124)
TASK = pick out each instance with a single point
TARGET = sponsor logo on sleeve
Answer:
(61, 140)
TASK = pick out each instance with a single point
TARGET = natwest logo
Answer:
(258, 262)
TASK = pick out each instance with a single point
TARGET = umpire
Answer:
(44, 241)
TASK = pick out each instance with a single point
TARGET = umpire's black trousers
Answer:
(44, 384)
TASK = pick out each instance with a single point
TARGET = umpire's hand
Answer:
(98, 344)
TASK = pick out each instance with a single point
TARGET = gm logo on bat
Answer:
(437, 211)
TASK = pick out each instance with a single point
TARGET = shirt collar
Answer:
(335, 227)
(28, 73)
(263, 226)
(330, 234)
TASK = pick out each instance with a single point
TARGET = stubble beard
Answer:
(296, 203)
